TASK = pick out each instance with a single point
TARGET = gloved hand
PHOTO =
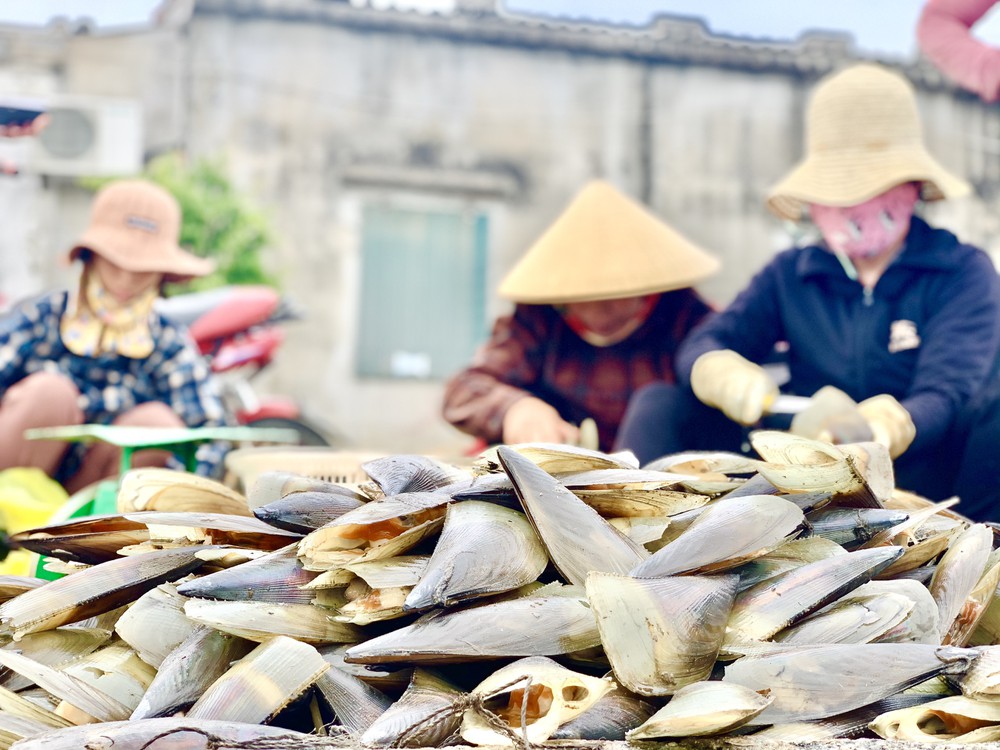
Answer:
(736, 386)
(531, 420)
(891, 423)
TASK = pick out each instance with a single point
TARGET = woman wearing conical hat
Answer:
(603, 298)
(100, 353)
(902, 317)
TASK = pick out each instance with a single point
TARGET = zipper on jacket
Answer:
(869, 298)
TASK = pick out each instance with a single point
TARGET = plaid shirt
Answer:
(110, 384)
(535, 353)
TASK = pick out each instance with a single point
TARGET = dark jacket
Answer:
(928, 333)
(535, 352)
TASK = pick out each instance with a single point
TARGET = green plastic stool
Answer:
(101, 498)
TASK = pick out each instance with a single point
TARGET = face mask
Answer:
(868, 229)
(626, 326)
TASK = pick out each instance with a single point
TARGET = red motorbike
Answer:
(238, 330)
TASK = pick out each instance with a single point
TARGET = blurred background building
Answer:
(406, 160)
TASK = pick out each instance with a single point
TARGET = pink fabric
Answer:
(944, 34)
(870, 228)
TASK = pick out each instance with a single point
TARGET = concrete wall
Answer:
(319, 108)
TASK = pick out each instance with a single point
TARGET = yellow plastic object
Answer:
(28, 498)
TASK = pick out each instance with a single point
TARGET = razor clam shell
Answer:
(14, 728)
(155, 623)
(410, 473)
(275, 577)
(215, 528)
(94, 591)
(704, 709)
(578, 540)
(609, 719)
(571, 693)
(850, 527)
(704, 462)
(303, 512)
(764, 609)
(173, 732)
(90, 541)
(848, 725)
(532, 625)
(66, 687)
(958, 572)
(956, 713)
(272, 486)
(18, 704)
(375, 606)
(392, 572)
(661, 634)
(115, 671)
(261, 621)
(790, 555)
(483, 549)
(52, 648)
(319, 553)
(383, 678)
(188, 670)
(555, 458)
(154, 488)
(823, 681)
(728, 533)
(426, 714)
(356, 704)
(262, 683)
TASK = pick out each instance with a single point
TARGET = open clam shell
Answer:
(168, 490)
(952, 719)
(212, 528)
(357, 704)
(973, 609)
(555, 458)
(704, 709)
(578, 540)
(188, 670)
(275, 577)
(272, 486)
(483, 549)
(661, 634)
(823, 681)
(704, 462)
(982, 680)
(94, 591)
(410, 473)
(764, 609)
(90, 541)
(426, 714)
(262, 683)
(115, 671)
(543, 624)
(854, 618)
(849, 725)
(790, 555)
(728, 533)
(155, 623)
(53, 648)
(958, 572)
(533, 697)
(617, 712)
(303, 512)
(851, 527)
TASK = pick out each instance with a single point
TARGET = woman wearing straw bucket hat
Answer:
(902, 317)
(100, 353)
(603, 298)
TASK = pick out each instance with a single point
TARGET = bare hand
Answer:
(531, 420)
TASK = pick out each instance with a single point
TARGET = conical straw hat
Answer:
(863, 137)
(605, 246)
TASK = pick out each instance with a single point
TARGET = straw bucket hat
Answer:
(605, 246)
(136, 225)
(863, 137)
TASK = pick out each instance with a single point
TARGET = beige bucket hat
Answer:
(136, 225)
(863, 137)
(605, 246)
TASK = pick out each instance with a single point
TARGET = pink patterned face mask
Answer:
(868, 229)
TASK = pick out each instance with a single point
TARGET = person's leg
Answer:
(663, 418)
(44, 399)
(102, 460)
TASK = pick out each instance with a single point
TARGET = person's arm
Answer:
(481, 399)
(944, 34)
(957, 350)
(185, 382)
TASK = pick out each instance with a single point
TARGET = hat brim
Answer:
(169, 259)
(845, 178)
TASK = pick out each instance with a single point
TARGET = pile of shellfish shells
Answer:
(537, 593)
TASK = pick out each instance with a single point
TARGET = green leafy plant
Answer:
(217, 222)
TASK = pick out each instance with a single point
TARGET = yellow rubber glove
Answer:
(890, 422)
(736, 386)
(531, 420)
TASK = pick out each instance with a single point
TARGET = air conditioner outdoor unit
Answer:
(89, 136)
